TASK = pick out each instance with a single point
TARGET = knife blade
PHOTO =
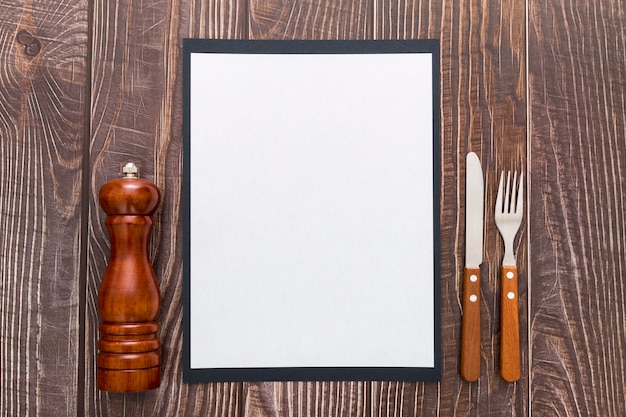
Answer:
(470, 323)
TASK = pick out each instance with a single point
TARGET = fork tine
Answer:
(514, 196)
(499, 201)
(519, 209)
(507, 194)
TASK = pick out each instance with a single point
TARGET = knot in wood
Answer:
(31, 44)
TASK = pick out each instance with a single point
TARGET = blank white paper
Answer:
(311, 203)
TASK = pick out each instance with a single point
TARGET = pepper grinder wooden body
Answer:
(129, 357)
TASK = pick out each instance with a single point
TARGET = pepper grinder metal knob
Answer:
(129, 300)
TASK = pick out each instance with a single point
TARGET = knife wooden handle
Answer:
(509, 325)
(470, 325)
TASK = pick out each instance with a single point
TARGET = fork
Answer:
(508, 216)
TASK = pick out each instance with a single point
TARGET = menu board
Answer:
(311, 210)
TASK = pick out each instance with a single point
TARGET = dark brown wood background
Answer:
(537, 85)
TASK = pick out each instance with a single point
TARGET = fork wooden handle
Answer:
(470, 325)
(510, 358)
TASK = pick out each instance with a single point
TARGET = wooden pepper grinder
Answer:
(129, 300)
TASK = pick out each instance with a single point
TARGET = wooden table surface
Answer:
(533, 85)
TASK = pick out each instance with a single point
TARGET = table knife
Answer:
(470, 324)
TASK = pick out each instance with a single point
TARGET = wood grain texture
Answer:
(577, 84)
(303, 399)
(483, 110)
(136, 114)
(576, 365)
(307, 19)
(42, 102)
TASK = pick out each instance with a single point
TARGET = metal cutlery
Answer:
(470, 324)
(508, 215)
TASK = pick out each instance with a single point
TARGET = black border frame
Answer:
(196, 375)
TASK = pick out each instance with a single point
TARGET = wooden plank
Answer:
(577, 83)
(483, 110)
(304, 399)
(43, 67)
(330, 19)
(326, 19)
(137, 116)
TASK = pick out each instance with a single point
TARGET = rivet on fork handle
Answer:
(509, 338)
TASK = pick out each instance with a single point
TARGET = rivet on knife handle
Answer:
(470, 325)
(509, 339)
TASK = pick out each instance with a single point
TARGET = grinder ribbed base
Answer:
(129, 357)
